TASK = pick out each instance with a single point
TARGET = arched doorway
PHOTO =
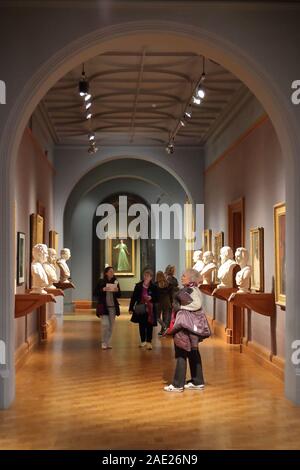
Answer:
(212, 44)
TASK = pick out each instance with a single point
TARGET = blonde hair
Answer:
(170, 270)
(161, 280)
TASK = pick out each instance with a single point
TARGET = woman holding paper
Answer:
(108, 291)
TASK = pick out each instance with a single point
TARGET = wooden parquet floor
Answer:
(73, 395)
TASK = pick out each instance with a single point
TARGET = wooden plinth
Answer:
(207, 288)
(260, 302)
(64, 285)
(55, 292)
(27, 303)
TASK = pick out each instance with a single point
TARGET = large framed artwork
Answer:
(121, 256)
(21, 240)
(207, 240)
(218, 244)
(280, 250)
(36, 229)
(53, 240)
(36, 234)
(257, 259)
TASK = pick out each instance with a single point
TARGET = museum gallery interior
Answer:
(159, 103)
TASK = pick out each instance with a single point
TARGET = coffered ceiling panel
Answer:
(139, 96)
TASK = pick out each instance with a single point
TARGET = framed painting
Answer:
(21, 240)
(280, 250)
(207, 240)
(36, 229)
(218, 244)
(257, 259)
(121, 256)
(53, 240)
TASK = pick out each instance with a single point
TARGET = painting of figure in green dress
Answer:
(121, 256)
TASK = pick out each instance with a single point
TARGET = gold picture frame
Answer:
(207, 240)
(280, 253)
(36, 235)
(53, 240)
(36, 230)
(257, 259)
(122, 257)
(218, 244)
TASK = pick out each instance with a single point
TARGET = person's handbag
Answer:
(139, 311)
(99, 310)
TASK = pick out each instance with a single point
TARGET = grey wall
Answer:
(145, 179)
(175, 171)
(254, 169)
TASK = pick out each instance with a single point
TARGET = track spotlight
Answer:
(188, 112)
(87, 97)
(92, 148)
(196, 100)
(88, 105)
(91, 137)
(89, 115)
(200, 92)
(170, 149)
(182, 123)
(83, 85)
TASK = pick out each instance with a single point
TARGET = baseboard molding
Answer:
(23, 351)
(264, 357)
(261, 355)
(84, 304)
(89, 304)
(217, 328)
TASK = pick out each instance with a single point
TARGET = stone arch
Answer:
(211, 44)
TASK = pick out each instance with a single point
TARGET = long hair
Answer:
(106, 271)
(170, 270)
(161, 280)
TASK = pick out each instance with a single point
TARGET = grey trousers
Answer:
(107, 325)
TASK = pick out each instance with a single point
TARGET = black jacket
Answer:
(138, 291)
(101, 295)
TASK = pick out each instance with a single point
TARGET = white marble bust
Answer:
(39, 276)
(197, 258)
(209, 268)
(50, 268)
(65, 255)
(243, 277)
(225, 271)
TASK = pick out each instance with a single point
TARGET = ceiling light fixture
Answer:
(83, 85)
(188, 112)
(88, 105)
(89, 115)
(170, 148)
(91, 137)
(196, 100)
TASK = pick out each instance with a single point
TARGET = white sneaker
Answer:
(191, 386)
(142, 345)
(104, 346)
(171, 388)
(149, 346)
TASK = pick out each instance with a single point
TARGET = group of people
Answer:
(177, 310)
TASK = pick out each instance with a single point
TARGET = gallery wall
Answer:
(34, 182)
(81, 237)
(252, 168)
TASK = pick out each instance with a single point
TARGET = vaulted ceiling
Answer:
(139, 96)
